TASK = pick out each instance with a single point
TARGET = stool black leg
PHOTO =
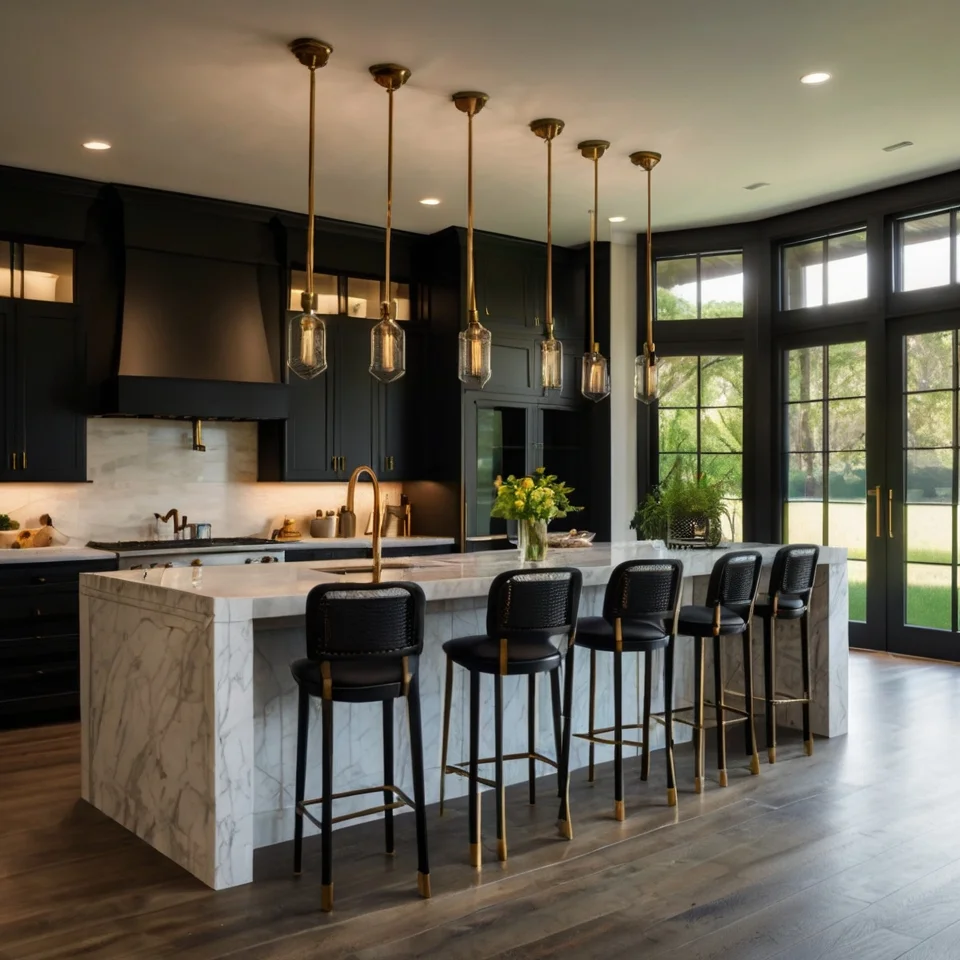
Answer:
(647, 696)
(498, 764)
(447, 700)
(557, 724)
(563, 818)
(388, 772)
(419, 793)
(593, 709)
(326, 868)
(750, 702)
(698, 714)
(805, 666)
(718, 699)
(474, 805)
(532, 735)
(668, 721)
(769, 688)
(618, 808)
(303, 722)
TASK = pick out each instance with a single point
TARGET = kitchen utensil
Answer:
(324, 526)
(348, 523)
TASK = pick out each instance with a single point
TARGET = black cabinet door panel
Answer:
(8, 405)
(309, 439)
(356, 394)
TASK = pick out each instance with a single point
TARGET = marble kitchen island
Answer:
(188, 709)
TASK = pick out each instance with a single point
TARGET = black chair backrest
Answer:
(794, 570)
(734, 581)
(643, 590)
(534, 604)
(350, 621)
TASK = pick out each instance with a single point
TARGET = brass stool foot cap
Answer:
(502, 850)
(698, 785)
(671, 796)
(723, 778)
(423, 885)
(566, 829)
(755, 765)
(618, 810)
(808, 747)
(771, 754)
(475, 858)
(326, 897)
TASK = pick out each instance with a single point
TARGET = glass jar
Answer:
(532, 540)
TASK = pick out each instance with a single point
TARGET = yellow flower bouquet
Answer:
(532, 502)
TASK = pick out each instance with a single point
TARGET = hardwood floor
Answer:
(853, 854)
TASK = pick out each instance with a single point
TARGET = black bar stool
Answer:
(640, 610)
(525, 611)
(731, 595)
(363, 645)
(791, 584)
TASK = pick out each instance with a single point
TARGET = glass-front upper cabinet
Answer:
(349, 296)
(33, 272)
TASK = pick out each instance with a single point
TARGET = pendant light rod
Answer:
(390, 76)
(648, 159)
(593, 150)
(470, 103)
(547, 129)
(312, 54)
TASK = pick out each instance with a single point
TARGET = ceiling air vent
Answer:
(898, 146)
(757, 185)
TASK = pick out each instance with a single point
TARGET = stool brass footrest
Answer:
(741, 716)
(403, 801)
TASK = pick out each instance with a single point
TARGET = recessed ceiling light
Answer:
(818, 77)
(429, 201)
(616, 219)
(756, 186)
(97, 145)
(898, 146)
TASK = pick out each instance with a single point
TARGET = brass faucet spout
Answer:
(351, 491)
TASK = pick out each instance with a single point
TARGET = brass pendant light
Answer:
(646, 378)
(306, 331)
(473, 367)
(388, 349)
(595, 372)
(551, 349)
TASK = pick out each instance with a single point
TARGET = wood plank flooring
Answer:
(853, 854)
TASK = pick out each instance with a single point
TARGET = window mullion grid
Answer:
(824, 270)
(953, 247)
(824, 457)
(699, 304)
(956, 454)
(699, 385)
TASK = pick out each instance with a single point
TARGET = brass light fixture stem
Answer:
(312, 54)
(547, 129)
(470, 103)
(593, 150)
(648, 159)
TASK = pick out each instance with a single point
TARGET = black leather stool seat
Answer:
(788, 608)
(698, 621)
(595, 633)
(482, 653)
(371, 678)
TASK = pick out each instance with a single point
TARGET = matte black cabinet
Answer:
(343, 418)
(42, 421)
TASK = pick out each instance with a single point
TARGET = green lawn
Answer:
(926, 606)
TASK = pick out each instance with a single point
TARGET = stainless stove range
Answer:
(218, 551)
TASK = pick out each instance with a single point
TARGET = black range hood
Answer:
(198, 335)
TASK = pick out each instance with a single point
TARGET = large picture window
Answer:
(927, 251)
(701, 287)
(825, 426)
(700, 427)
(823, 271)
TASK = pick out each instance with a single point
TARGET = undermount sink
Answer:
(368, 567)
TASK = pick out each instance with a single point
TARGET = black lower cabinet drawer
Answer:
(330, 553)
(432, 551)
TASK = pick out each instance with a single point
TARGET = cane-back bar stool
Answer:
(526, 612)
(728, 611)
(363, 645)
(640, 610)
(791, 584)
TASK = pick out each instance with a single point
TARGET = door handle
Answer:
(890, 512)
(875, 492)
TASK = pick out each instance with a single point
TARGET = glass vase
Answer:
(532, 540)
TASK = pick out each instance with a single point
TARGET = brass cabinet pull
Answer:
(333, 463)
(875, 492)
(890, 512)
(13, 460)
(23, 459)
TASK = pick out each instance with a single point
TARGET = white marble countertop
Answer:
(53, 554)
(280, 590)
(341, 543)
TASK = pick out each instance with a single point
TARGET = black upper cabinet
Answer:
(356, 395)
(41, 412)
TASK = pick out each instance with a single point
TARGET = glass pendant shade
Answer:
(646, 380)
(551, 364)
(388, 348)
(474, 366)
(595, 375)
(307, 345)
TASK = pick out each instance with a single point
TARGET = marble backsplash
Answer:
(141, 467)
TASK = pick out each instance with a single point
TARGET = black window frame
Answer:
(899, 222)
(824, 240)
(698, 256)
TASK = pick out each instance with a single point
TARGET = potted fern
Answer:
(683, 512)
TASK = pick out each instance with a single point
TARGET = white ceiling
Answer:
(203, 97)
